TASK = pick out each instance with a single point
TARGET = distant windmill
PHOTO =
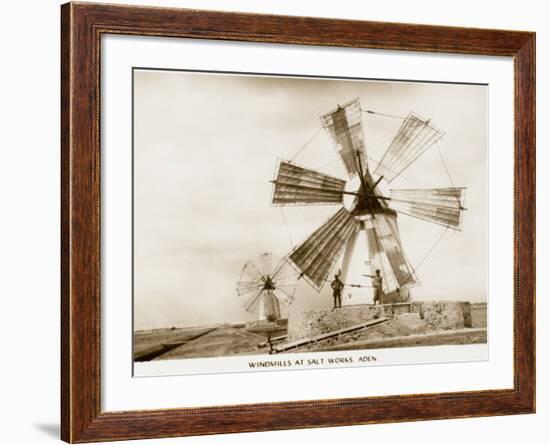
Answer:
(267, 283)
(370, 211)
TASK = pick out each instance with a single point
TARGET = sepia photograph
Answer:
(327, 219)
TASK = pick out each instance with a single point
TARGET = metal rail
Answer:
(319, 338)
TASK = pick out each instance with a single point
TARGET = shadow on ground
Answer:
(49, 429)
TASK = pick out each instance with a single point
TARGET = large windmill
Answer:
(370, 213)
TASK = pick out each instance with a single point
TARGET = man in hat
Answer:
(377, 285)
(337, 287)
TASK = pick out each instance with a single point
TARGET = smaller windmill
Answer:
(267, 283)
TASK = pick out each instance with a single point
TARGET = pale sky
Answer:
(206, 147)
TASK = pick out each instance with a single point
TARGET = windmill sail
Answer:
(249, 274)
(285, 280)
(253, 301)
(386, 254)
(316, 256)
(413, 138)
(295, 185)
(345, 129)
(443, 206)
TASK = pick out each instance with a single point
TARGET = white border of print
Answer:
(120, 391)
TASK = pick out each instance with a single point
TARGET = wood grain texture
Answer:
(81, 28)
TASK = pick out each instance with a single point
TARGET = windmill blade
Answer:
(412, 139)
(284, 274)
(287, 289)
(284, 298)
(247, 287)
(250, 272)
(295, 185)
(316, 256)
(266, 263)
(252, 303)
(287, 277)
(387, 255)
(345, 129)
(443, 206)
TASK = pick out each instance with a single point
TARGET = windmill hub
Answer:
(268, 283)
(369, 204)
(350, 198)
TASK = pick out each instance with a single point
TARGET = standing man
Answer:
(337, 287)
(377, 284)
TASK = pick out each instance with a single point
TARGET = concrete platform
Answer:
(406, 318)
(313, 323)
(464, 336)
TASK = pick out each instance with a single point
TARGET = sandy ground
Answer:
(402, 331)
(148, 340)
(222, 341)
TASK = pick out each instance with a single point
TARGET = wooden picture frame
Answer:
(82, 26)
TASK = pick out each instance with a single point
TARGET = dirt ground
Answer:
(147, 340)
(222, 341)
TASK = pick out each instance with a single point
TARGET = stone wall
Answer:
(405, 318)
(445, 315)
(479, 315)
(311, 323)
